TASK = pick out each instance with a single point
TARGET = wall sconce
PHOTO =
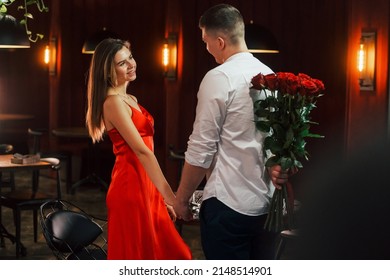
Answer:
(259, 39)
(50, 56)
(169, 57)
(12, 33)
(366, 61)
(91, 43)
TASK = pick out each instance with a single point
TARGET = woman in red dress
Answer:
(139, 198)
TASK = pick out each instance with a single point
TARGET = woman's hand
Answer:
(171, 212)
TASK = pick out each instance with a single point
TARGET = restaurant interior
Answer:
(43, 86)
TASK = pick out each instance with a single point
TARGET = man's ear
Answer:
(221, 43)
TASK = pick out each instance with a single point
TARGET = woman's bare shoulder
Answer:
(133, 97)
(115, 104)
(112, 101)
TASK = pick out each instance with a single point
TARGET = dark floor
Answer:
(90, 198)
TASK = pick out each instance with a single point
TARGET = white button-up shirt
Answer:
(225, 139)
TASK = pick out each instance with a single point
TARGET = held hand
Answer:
(171, 212)
(280, 177)
(182, 210)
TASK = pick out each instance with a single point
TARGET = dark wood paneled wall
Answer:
(368, 114)
(315, 37)
(24, 83)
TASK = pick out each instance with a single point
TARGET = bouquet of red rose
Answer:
(284, 114)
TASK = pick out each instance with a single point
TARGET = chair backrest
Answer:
(71, 233)
(55, 166)
(10, 181)
(36, 135)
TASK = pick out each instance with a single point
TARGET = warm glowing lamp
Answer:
(169, 56)
(50, 56)
(366, 61)
(165, 55)
(46, 57)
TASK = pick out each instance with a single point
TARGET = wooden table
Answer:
(15, 117)
(81, 132)
(71, 132)
(7, 166)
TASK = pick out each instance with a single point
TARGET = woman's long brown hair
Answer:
(101, 76)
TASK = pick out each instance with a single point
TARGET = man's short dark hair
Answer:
(225, 19)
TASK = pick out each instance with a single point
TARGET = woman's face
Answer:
(125, 66)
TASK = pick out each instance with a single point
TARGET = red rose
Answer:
(319, 84)
(258, 82)
(293, 84)
(282, 79)
(288, 83)
(271, 81)
(304, 76)
(309, 87)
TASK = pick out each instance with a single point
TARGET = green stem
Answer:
(271, 214)
(279, 212)
(289, 208)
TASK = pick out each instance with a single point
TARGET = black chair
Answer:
(285, 236)
(71, 233)
(10, 181)
(35, 147)
(6, 183)
(31, 199)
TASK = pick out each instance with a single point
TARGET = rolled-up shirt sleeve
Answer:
(210, 116)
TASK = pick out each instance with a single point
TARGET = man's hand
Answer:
(182, 210)
(280, 177)
(191, 177)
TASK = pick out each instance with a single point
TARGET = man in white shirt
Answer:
(226, 147)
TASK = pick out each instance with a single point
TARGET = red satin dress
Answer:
(139, 226)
